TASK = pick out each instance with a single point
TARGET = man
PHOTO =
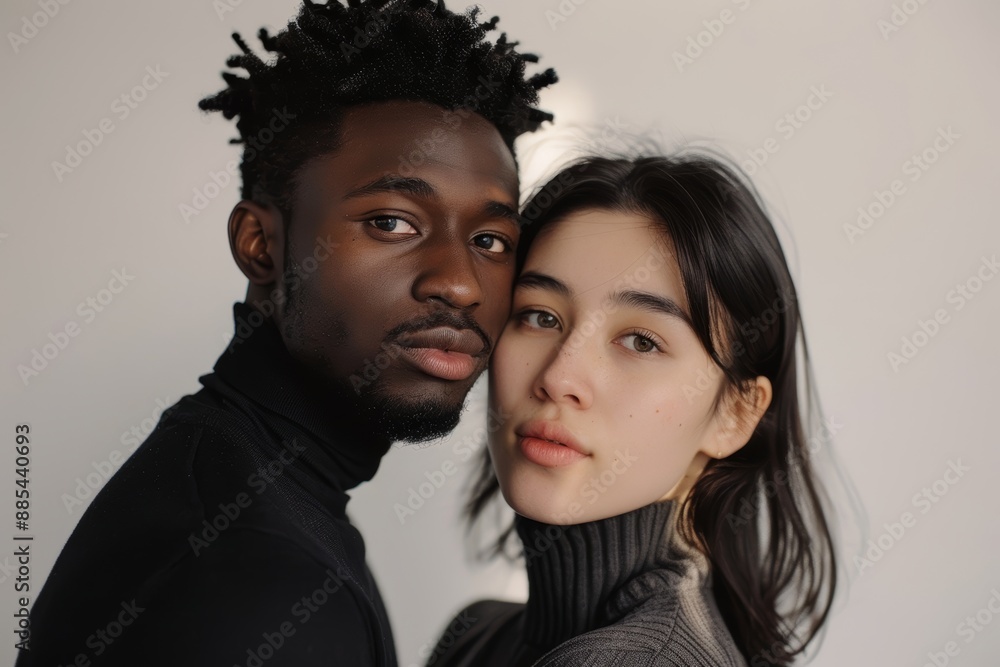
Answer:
(377, 230)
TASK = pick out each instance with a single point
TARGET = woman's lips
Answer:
(547, 453)
(548, 443)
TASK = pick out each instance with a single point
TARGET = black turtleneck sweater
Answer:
(623, 591)
(223, 540)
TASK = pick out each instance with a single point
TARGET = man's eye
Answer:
(540, 319)
(491, 243)
(392, 225)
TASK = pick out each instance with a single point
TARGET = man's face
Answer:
(404, 243)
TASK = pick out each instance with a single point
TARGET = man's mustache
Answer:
(438, 319)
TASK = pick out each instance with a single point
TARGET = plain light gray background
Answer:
(884, 96)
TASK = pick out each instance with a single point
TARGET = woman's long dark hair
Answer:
(757, 514)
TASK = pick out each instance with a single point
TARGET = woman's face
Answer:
(604, 390)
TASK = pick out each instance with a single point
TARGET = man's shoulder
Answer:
(195, 446)
(491, 613)
(248, 589)
(199, 414)
(269, 559)
(478, 630)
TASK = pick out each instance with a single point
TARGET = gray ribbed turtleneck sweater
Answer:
(623, 591)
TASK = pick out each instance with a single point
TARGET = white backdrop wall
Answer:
(869, 127)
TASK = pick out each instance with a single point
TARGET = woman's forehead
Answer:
(598, 251)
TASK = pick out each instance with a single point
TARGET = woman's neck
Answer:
(586, 576)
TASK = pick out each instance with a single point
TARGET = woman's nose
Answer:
(567, 377)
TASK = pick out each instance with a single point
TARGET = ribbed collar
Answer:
(585, 576)
(257, 373)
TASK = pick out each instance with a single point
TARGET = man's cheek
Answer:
(378, 284)
(497, 320)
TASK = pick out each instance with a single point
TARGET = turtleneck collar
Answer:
(257, 373)
(585, 576)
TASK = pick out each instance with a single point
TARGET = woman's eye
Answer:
(392, 225)
(540, 319)
(491, 243)
(641, 343)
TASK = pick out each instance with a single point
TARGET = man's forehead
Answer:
(388, 141)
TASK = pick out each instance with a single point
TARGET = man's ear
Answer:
(737, 417)
(256, 240)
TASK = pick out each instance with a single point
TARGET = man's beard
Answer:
(370, 407)
(404, 420)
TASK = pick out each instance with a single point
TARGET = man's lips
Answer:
(447, 339)
(443, 352)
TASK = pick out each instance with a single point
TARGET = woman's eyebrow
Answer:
(654, 303)
(535, 280)
(628, 298)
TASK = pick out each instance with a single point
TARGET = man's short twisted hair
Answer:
(334, 56)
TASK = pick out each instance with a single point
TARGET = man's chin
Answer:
(406, 419)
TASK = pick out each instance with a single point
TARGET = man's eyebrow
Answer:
(535, 280)
(418, 187)
(653, 303)
(496, 209)
(392, 183)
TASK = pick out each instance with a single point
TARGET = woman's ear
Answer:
(737, 417)
(256, 241)
(730, 429)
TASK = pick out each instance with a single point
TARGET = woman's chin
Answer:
(540, 505)
(546, 504)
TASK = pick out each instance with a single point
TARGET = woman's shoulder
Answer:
(478, 630)
(626, 646)
(661, 632)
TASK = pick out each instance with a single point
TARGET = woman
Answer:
(653, 448)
